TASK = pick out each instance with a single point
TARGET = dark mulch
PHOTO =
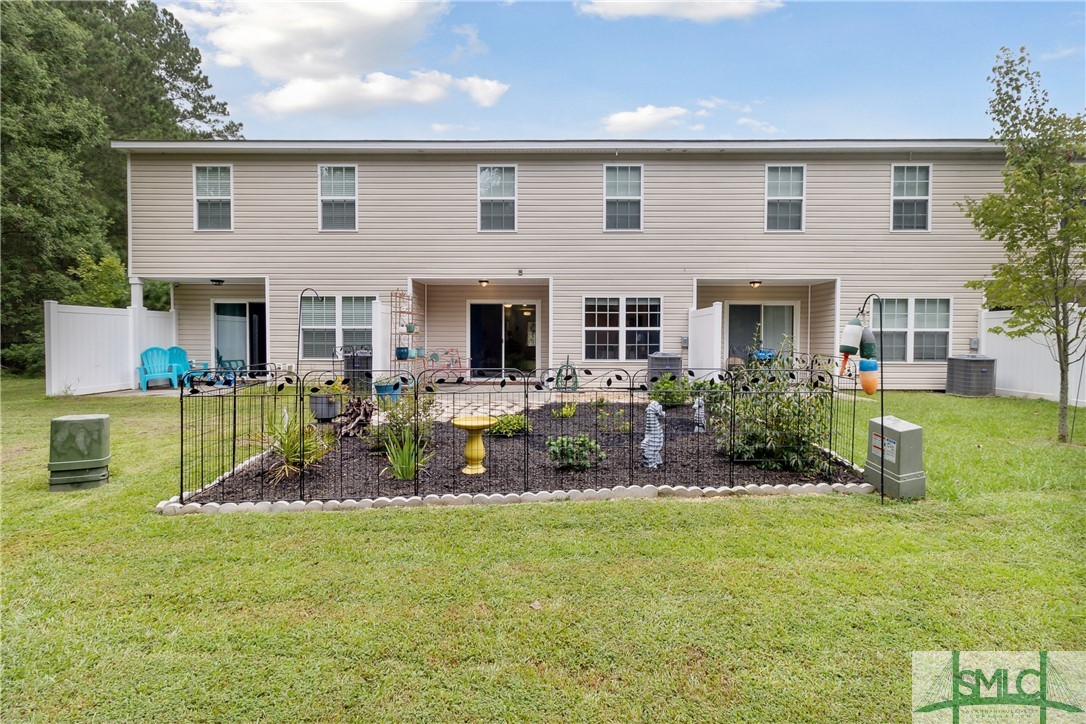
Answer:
(517, 464)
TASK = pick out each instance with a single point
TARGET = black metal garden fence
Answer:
(274, 436)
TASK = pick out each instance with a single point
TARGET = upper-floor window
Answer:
(331, 322)
(337, 198)
(213, 193)
(784, 198)
(625, 328)
(911, 198)
(622, 198)
(913, 330)
(497, 198)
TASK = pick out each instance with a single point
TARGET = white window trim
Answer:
(622, 328)
(931, 185)
(912, 329)
(321, 199)
(338, 296)
(607, 198)
(197, 199)
(802, 198)
(479, 198)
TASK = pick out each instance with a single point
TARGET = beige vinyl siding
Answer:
(703, 217)
(821, 320)
(446, 312)
(192, 303)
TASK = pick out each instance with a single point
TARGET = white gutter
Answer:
(963, 145)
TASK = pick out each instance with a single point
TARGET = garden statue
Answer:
(652, 445)
(699, 414)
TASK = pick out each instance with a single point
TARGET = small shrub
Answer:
(400, 419)
(510, 425)
(566, 411)
(777, 421)
(614, 421)
(578, 452)
(297, 442)
(406, 458)
(671, 391)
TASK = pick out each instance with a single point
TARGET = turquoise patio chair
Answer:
(179, 358)
(156, 366)
(234, 365)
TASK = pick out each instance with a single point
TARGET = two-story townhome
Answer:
(519, 254)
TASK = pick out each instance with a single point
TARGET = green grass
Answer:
(756, 609)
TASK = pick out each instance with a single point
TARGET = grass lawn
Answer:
(748, 609)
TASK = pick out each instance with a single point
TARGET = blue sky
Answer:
(700, 70)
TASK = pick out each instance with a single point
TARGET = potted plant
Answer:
(387, 389)
(409, 328)
(324, 403)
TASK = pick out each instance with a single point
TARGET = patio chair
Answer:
(155, 365)
(234, 365)
(179, 357)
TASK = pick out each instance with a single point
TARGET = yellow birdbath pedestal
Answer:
(473, 451)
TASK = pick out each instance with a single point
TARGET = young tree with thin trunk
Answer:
(1040, 218)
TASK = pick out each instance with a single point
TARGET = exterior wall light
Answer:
(755, 284)
(484, 283)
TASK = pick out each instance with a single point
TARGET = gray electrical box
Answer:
(895, 457)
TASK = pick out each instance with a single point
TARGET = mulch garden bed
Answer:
(516, 464)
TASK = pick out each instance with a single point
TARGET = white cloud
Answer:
(699, 11)
(645, 118)
(697, 127)
(471, 46)
(334, 56)
(1060, 54)
(446, 127)
(714, 103)
(756, 125)
(345, 94)
(483, 91)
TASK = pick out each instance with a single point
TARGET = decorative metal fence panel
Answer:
(385, 433)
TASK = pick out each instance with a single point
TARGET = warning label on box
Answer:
(884, 447)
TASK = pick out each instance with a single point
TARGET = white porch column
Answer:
(136, 310)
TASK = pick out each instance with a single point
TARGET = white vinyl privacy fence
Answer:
(1025, 367)
(96, 349)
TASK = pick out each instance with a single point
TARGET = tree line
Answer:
(77, 75)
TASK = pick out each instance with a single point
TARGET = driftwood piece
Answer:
(355, 418)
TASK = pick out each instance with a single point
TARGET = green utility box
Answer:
(895, 457)
(78, 452)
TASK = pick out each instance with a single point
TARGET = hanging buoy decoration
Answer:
(869, 375)
(850, 341)
(868, 348)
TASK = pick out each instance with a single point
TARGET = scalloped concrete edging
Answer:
(173, 506)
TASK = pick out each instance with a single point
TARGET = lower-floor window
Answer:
(913, 330)
(332, 322)
(621, 328)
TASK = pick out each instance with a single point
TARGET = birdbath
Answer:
(473, 451)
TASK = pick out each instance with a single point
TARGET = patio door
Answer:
(776, 322)
(502, 336)
(239, 332)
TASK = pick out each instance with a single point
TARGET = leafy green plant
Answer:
(296, 441)
(406, 457)
(566, 411)
(410, 415)
(777, 419)
(510, 425)
(670, 391)
(610, 419)
(574, 452)
(336, 386)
